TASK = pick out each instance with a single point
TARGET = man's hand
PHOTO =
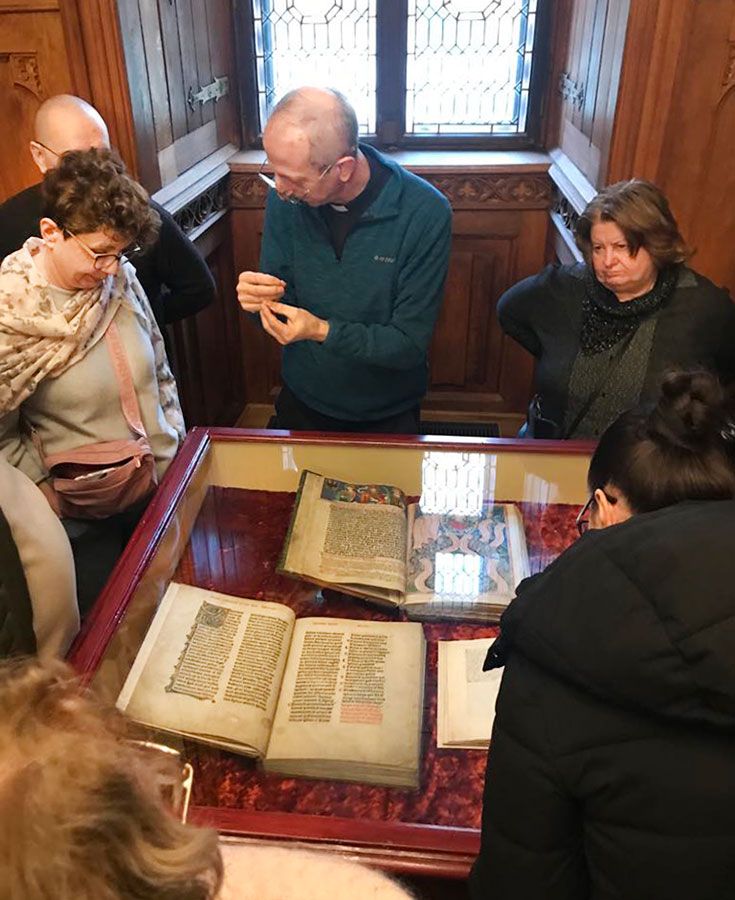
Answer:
(299, 325)
(255, 287)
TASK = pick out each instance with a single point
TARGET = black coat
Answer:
(172, 272)
(695, 327)
(611, 770)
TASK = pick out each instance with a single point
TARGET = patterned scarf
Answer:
(40, 340)
(606, 321)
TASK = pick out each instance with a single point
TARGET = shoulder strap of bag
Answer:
(126, 386)
(608, 371)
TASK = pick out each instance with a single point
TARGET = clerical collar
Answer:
(379, 174)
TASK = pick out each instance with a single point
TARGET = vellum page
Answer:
(465, 565)
(211, 667)
(466, 695)
(348, 534)
(352, 701)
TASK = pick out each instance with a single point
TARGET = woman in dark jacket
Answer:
(611, 770)
(604, 332)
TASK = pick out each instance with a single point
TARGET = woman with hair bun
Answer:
(610, 772)
(603, 332)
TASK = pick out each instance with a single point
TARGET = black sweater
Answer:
(611, 770)
(696, 327)
(175, 277)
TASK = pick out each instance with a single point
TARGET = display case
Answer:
(218, 521)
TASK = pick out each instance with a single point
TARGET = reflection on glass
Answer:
(458, 483)
(457, 575)
(539, 491)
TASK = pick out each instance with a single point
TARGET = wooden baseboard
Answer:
(257, 415)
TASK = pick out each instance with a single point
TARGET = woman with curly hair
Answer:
(88, 406)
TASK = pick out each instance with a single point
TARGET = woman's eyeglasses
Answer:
(103, 260)
(583, 519)
(173, 776)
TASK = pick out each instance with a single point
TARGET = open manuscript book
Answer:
(366, 539)
(318, 697)
(465, 708)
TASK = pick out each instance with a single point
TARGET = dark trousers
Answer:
(294, 415)
(97, 544)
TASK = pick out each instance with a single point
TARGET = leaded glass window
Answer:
(415, 70)
(468, 65)
(326, 43)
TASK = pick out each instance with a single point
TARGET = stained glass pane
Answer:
(468, 66)
(328, 43)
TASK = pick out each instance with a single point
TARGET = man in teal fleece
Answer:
(353, 261)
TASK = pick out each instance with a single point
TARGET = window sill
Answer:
(446, 161)
(469, 179)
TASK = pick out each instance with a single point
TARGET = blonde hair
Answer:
(81, 817)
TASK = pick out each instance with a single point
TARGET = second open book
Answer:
(319, 697)
(366, 539)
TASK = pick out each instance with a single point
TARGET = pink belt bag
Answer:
(95, 481)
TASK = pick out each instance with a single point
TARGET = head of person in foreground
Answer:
(81, 812)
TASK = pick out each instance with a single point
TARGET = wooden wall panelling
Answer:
(559, 44)
(72, 25)
(467, 347)
(207, 354)
(168, 14)
(592, 79)
(500, 222)
(201, 50)
(189, 61)
(108, 75)
(592, 64)
(222, 53)
(33, 65)
(586, 13)
(609, 84)
(142, 130)
(261, 355)
(157, 71)
(696, 160)
(467, 267)
(654, 37)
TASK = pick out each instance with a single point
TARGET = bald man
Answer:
(353, 261)
(173, 273)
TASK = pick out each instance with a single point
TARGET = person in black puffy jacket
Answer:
(611, 769)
